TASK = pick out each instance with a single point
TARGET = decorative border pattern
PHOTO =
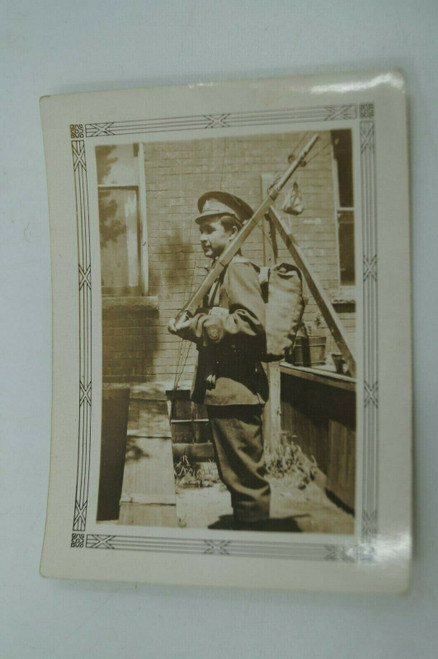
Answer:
(362, 552)
(224, 120)
(85, 328)
(371, 390)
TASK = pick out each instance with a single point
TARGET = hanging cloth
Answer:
(293, 203)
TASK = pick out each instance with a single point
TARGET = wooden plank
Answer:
(130, 303)
(307, 409)
(318, 375)
(309, 434)
(139, 514)
(329, 314)
(148, 490)
(341, 469)
(272, 410)
(143, 248)
(190, 421)
(150, 499)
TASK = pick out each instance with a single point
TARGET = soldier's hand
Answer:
(171, 326)
(177, 327)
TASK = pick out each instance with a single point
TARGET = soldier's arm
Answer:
(191, 329)
(245, 315)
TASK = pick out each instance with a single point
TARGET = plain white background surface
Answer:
(53, 47)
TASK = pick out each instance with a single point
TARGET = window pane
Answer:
(116, 165)
(342, 148)
(346, 246)
(119, 240)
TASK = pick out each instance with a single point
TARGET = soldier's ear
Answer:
(234, 231)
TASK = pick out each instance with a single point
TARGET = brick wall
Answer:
(137, 345)
(128, 344)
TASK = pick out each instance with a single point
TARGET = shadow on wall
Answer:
(134, 451)
(129, 344)
(110, 227)
(104, 161)
(174, 261)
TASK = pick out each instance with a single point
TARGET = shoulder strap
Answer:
(238, 258)
(264, 275)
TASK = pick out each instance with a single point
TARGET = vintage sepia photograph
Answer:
(217, 302)
(228, 381)
(228, 282)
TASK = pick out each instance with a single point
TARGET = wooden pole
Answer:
(329, 314)
(272, 409)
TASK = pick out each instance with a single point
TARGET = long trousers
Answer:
(238, 444)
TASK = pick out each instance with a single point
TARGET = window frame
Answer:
(142, 287)
(346, 286)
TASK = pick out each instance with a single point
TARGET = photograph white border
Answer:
(362, 115)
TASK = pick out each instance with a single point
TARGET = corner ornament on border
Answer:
(366, 111)
(360, 553)
(76, 131)
(77, 540)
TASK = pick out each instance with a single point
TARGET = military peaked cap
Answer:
(222, 203)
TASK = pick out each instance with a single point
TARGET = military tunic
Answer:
(230, 381)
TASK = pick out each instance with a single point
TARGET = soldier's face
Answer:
(215, 238)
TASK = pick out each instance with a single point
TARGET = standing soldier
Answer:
(230, 335)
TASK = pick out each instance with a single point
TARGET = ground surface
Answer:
(307, 510)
